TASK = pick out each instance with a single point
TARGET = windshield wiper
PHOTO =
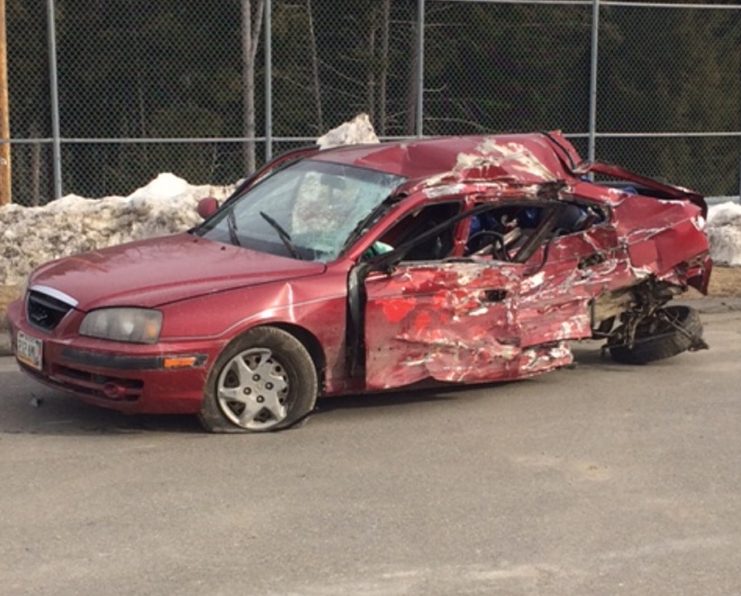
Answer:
(231, 222)
(284, 236)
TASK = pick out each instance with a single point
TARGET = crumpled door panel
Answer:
(461, 322)
(451, 322)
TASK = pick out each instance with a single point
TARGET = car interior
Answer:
(499, 233)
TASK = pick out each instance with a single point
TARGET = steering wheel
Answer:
(487, 242)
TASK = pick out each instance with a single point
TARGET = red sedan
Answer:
(365, 268)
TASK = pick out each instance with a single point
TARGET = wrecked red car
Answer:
(366, 268)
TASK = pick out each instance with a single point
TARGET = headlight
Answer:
(135, 325)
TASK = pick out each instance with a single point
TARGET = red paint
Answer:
(162, 270)
(396, 311)
(452, 321)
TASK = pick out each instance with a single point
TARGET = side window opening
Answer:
(577, 217)
(414, 225)
(501, 232)
(504, 230)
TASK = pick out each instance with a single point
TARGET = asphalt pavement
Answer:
(599, 479)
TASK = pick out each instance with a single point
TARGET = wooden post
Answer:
(5, 181)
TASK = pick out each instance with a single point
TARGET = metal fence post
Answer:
(6, 182)
(420, 66)
(593, 82)
(54, 94)
(268, 80)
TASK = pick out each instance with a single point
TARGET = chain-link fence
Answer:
(105, 94)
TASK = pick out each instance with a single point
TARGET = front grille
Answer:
(44, 311)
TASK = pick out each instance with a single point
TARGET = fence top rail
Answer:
(621, 3)
(180, 140)
(664, 135)
(698, 6)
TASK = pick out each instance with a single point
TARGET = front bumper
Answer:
(129, 378)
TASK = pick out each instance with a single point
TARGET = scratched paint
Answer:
(467, 319)
(476, 322)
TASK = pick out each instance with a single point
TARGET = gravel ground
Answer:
(725, 281)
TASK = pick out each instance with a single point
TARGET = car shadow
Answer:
(594, 358)
(46, 412)
(408, 396)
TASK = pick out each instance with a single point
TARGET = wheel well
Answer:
(311, 343)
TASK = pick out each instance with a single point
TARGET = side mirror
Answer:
(207, 207)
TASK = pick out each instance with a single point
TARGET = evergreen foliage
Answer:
(173, 68)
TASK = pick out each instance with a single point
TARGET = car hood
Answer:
(153, 272)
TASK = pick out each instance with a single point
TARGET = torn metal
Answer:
(486, 258)
(476, 320)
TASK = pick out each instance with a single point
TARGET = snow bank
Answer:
(724, 232)
(357, 131)
(30, 236)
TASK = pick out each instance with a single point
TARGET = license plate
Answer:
(29, 350)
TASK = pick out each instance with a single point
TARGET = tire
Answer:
(263, 381)
(656, 339)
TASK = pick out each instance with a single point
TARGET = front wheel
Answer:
(265, 380)
(670, 331)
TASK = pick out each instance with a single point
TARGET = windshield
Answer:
(307, 210)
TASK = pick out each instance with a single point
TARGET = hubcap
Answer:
(252, 390)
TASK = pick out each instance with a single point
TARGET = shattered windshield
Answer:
(306, 210)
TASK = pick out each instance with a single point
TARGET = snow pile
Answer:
(724, 232)
(30, 236)
(357, 131)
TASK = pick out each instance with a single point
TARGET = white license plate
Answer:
(29, 350)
